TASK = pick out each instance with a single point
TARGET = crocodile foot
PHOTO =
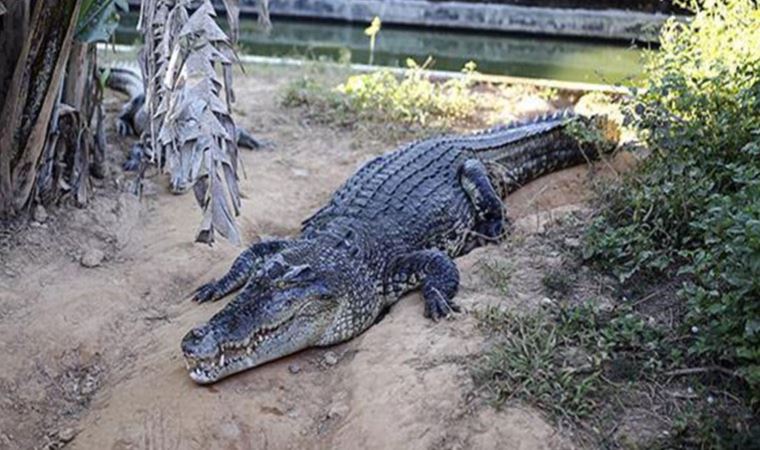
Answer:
(124, 128)
(437, 306)
(206, 293)
(132, 164)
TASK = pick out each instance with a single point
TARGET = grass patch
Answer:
(321, 103)
(413, 98)
(497, 273)
(557, 283)
(587, 367)
(527, 363)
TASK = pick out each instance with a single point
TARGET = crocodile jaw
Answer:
(261, 347)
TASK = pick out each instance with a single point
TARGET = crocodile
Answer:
(393, 227)
(133, 118)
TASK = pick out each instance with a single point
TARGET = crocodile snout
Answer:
(200, 343)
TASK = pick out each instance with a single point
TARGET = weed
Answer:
(372, 31)
(557, 283)
(497, 273)
(525, 363)
(557, 360)
(708, 430)
(585, 366)
(382, 96)
(548, 93)
(412, 98)
(324, 105)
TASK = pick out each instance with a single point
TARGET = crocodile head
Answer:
(293, 302)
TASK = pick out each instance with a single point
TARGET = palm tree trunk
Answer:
(32, 93)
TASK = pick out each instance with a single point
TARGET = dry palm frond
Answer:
(189, 102)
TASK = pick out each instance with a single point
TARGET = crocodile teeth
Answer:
(221, 360)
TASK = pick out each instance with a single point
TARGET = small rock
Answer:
(547, 301)
(572, 242)
(294, 368)
(92, 258)
(337, 410)
(39, 214)
(301, 173)
(331, 358)
(67, 434)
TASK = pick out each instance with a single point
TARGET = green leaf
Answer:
(98, 19)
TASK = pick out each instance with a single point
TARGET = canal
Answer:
(496, 54)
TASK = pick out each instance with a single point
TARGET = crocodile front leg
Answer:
(242, 269)
(435, 272)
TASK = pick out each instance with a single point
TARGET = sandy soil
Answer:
(90, 356)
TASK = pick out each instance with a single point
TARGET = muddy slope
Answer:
(90, 355)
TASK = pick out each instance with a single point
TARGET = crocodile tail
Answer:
(518, 153)
(124, 79)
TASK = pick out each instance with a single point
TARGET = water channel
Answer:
(496, 54)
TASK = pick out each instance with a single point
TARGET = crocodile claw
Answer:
(206, 293)
(438, 307)
(124, 128)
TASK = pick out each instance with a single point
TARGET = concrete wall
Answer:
(471, 15)
(609, 24)
(650, 6)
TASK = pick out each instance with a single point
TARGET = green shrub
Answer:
(693, 206)
(414, 97)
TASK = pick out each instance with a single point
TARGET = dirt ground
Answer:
(90, 355)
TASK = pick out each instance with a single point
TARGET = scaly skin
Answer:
(395, 226)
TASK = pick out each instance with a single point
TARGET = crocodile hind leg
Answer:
(242, 269)
(125, 123)
(489, 209)
(436, 273)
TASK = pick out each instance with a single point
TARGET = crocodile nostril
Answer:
(198, 332)
(193, 339)
(200, 342)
